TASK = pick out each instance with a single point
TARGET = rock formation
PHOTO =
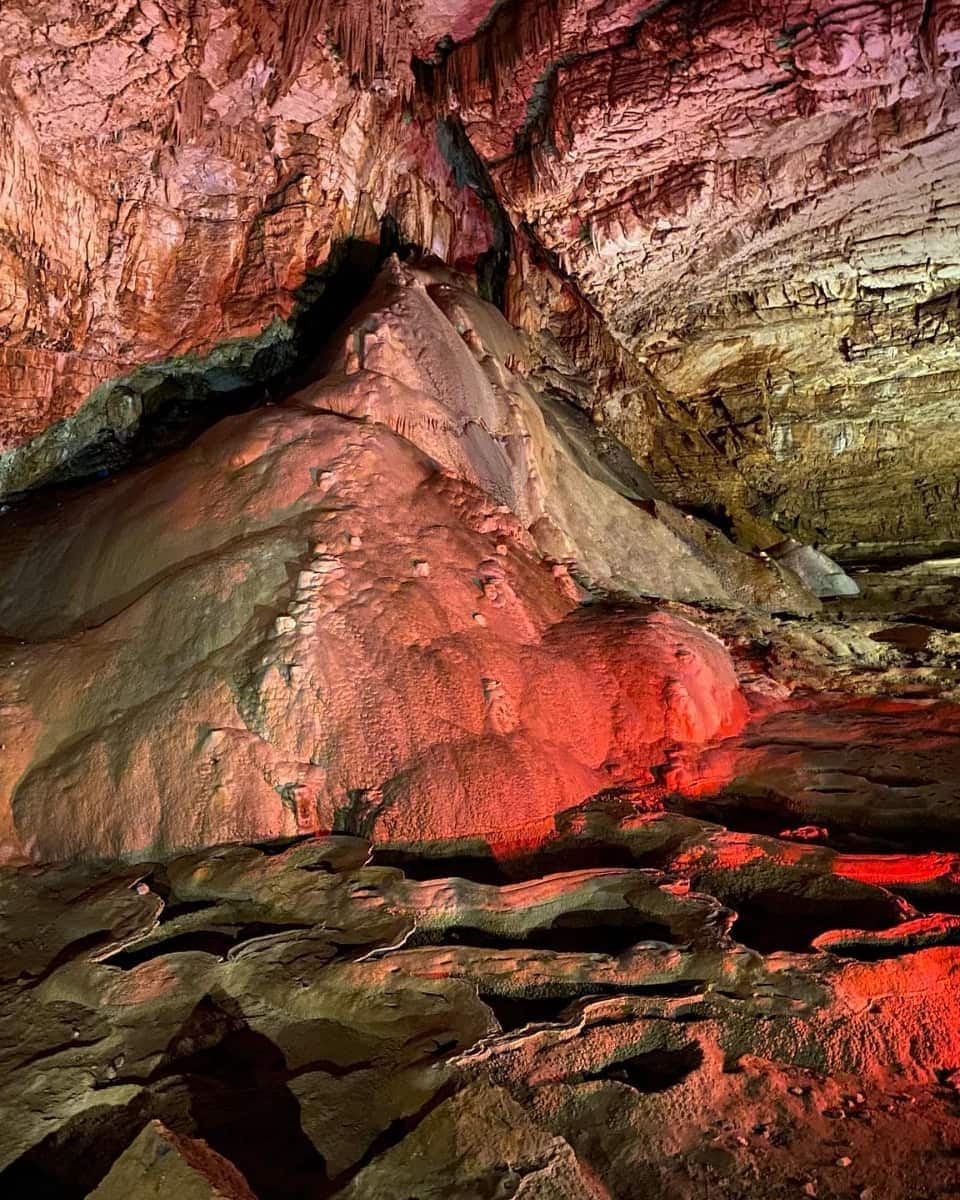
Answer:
(479, 710)
(758, 200)
(356, 610)
(334, 1027)
(738, 215)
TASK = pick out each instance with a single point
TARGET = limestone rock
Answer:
(138, 142)
(761, 288)
(337, 1028)
(161, 1164)
(480, 1143)
(756, 200)
(441, 777)
(820, 573)
(240, 642)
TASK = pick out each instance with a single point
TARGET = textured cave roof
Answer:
(738, 216)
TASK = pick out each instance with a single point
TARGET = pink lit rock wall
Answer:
(739, 221)
(171, 172)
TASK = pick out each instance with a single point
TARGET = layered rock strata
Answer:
(400, 795)
(598, 1032)
(594, 857)
(758, 200)
(737, 218)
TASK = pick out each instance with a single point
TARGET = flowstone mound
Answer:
(359, 611)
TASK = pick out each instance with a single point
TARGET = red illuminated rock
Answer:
(358, 611)
(887, 765)
(389, 777)
(560, 1036)
(171, 174)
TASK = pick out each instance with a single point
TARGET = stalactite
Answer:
(188, 109)
(467, 71)
(367, 37)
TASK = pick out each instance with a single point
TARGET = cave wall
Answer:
(759, 198)
(737, 217)
(170, 173)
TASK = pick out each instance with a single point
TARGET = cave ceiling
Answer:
(739, 218)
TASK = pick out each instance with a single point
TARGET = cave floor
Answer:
(740, 980)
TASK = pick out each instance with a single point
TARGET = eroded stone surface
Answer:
(359, 610)
(159, 1163)
(758, 200)
(576, 1034)
(140, 141)
(637, 997)
(737, 219)
(429, 806)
